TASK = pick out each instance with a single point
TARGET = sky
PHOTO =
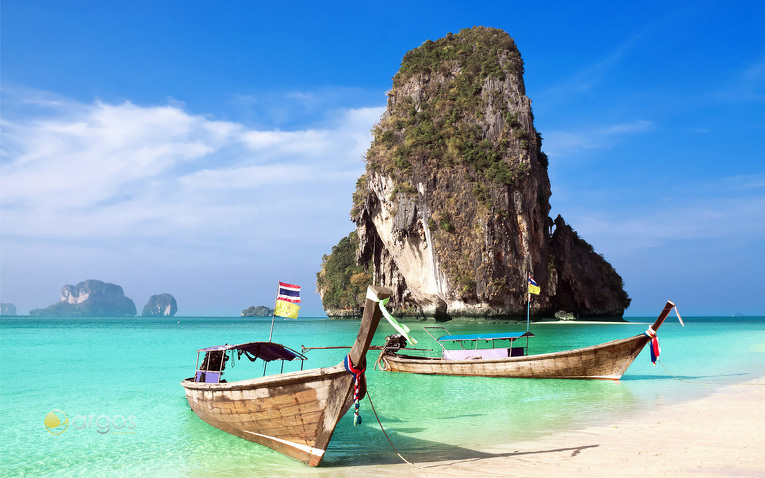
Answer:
(209, 149)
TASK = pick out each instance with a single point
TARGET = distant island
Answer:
(90, 298)
(258, 311)
(95, 298)
(7, 309)
(163, 305)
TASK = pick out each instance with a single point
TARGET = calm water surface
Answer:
(117, 382)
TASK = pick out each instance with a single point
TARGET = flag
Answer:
(533, 286)
(287, 300)
(286, 309)
(654, 345)
(289, 293)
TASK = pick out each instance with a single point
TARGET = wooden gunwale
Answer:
(280, 380)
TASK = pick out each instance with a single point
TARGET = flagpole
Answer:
(528, 311)
(273, 315)
(528, 303)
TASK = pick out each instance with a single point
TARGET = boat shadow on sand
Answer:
(689, 378)
(423, 453)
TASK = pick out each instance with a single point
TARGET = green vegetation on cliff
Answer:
(475, 50)
(341, 282)
(443, 124)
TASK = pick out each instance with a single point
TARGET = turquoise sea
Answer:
(116, 380)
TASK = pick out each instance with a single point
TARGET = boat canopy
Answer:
(266, 351)
(498, 336)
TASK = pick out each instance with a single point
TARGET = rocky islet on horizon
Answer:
(7, 308)
(95, 298)
(163, 305)
(258, 311)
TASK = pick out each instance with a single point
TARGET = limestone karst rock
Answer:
(90, 298)
(7, 309)
(452, 212)
(163, 305)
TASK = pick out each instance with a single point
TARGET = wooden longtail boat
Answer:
(607, 361)
(294, 413)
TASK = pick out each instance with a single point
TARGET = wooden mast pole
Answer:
(369, 321)
(664, 313)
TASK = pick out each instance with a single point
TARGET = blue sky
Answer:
(207, 149)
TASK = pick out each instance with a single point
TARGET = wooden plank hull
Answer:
(606, 361)
(292, 413)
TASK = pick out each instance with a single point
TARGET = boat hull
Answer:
(607, 361)
(292, 413)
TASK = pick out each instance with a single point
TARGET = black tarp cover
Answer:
(266, 351)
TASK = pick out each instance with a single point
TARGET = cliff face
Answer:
(90, 298)
(452, 212)
(163, 305)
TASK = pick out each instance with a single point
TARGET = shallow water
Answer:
(117, 382)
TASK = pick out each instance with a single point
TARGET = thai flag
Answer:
(533, 286)
(289, 293)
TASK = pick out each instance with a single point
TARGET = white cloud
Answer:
(101, 170)
(563, 143)
(747, 85)
(156, 198)
(709, 214)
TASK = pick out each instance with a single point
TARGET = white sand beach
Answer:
(722, 434)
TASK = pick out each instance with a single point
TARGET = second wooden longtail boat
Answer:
(294, 413)
(607, 361)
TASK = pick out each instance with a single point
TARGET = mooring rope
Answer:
(378, 363)
(358, 374)
(704, 382)
(386, 434)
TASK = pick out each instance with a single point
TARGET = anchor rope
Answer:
(369, 397)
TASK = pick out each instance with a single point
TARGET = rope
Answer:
(357, 373)
(378, 363)
(704, 382)
(386, 435)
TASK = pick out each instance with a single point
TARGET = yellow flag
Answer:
(286, 309)
(533, 286)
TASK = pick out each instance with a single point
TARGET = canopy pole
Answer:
(270, 334)
(528, 310)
